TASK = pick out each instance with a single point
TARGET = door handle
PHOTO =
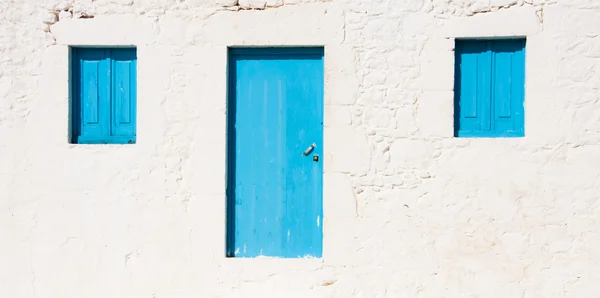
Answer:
(309, 149)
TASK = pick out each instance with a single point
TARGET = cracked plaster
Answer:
(409, 210)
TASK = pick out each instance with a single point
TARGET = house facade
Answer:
(305, 148)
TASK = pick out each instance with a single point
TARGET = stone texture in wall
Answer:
(470, 7)
(412, 211)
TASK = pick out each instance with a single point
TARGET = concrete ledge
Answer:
(106, 30)
(315, 24)
(516, 21)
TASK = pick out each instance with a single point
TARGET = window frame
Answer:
(491, 48)
(75, 121)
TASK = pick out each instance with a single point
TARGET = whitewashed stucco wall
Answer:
(410, 211)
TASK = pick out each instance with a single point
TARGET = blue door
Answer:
(275, 145)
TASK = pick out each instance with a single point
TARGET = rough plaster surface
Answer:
(410, 211)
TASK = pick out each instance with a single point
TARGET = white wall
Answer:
(410, 211)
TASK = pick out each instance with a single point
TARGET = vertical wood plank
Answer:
(124, 90)
(92, 98)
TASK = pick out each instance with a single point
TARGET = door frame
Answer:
(231, 133)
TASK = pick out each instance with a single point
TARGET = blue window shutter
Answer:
(473, 85)
(93, 93)
(489, 88)
(509, 86)
(123, 115)
(104, 96)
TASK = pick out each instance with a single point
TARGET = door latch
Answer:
(309, 149)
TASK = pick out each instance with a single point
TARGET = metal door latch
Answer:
(309, 149)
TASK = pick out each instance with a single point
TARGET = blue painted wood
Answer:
(123, 114)
(104, 95)
(489, 88)
(93, 85)
(275, 112)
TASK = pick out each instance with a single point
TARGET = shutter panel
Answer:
(509, 85)
(123, 114)
(473, 86)
(93, 93)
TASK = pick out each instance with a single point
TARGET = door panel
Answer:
(275, 114)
